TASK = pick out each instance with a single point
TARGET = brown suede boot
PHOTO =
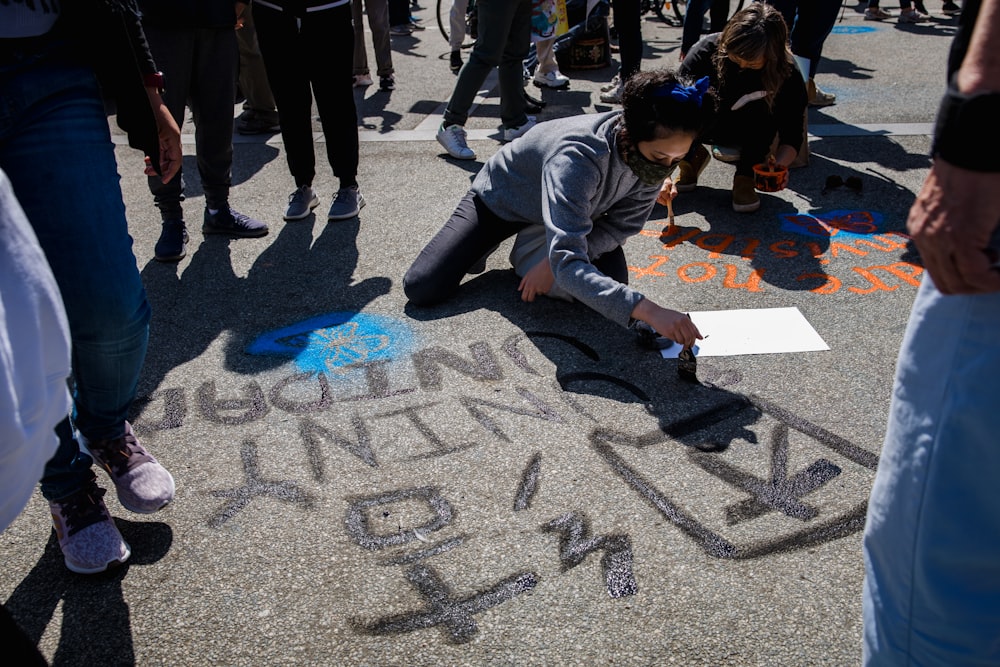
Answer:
(745, 199)
(689, 172)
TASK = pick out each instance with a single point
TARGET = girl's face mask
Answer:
(653, 161)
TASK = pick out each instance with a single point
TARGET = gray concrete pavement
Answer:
(490, 482)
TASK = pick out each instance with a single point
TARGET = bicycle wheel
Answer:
(680, 9)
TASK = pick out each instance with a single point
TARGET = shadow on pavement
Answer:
(594, 357)
(294, 278)
(95, 626)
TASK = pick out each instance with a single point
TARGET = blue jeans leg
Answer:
(932, 537)
(56, 147)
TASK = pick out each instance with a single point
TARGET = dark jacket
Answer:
(301, 8)
(789, 101)
(108, 35)
(189, 13)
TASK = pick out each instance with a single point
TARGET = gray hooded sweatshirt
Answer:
(567, 174)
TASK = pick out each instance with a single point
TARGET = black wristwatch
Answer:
(153, 80)
(967, 131)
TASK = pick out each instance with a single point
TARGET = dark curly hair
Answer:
(648, 115)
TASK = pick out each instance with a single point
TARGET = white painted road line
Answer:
(427, 131)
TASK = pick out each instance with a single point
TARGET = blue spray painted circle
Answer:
(852, 29)
(336, 341)
(840, 224)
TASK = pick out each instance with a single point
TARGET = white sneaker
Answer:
(553, 79)
(614, 83)
(512, 133)
(877, 14)
(362, 80)
(453, 140)
(913, 16)
(614, 95)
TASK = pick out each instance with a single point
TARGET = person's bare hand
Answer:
(168, 136)
(537, 281)
(667, 193)
(676, 326)
(952, 220)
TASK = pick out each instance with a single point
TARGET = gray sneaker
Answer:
(87, 534)
(347, 204)
(143, 485)
(301, 203)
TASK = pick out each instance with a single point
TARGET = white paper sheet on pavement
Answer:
(751, 331)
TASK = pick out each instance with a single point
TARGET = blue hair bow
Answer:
(681, 93)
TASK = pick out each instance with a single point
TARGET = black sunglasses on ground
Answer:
(852, 183)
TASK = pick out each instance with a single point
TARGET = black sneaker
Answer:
(249, 122)
(951, 8)
(387, 83)
(456, 61)
(535, 105)
(232, 223)
(172, 244)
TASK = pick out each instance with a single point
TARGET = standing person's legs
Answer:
(456, 23)
(932, 534)
(546, 51)
(719, 15)
(285, 60)
(815, 20)
(327, 41)
(212, 91)
(360, 53)
(495, 17)
(399, 13)
(693, 20)
(173, 50)
(628, 21)
(253, 80)
(547, 73)
(84, 234)
(378, 22)
(472, 231)
(511, 74)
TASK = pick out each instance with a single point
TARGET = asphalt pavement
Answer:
(489, 482)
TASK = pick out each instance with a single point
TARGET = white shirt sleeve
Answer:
(34, 358)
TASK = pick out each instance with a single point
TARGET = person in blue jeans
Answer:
(56, 148)
(931, 547)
